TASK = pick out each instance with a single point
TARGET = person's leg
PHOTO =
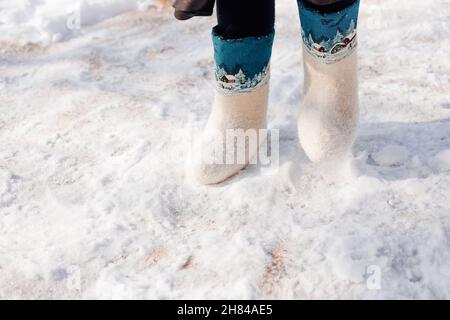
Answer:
(324, 2)
(329, 113)
(240, 19)
(242, 49)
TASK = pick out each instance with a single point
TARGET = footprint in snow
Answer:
(66, 183)
(391, 156)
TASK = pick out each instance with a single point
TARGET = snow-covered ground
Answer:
(48, 21)
(94, 129)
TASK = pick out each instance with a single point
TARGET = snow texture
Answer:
(95, 127)
(48, 21)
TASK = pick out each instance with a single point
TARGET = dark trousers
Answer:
(246, 18)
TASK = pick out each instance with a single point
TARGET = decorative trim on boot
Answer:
(329, 36)
(242, 65)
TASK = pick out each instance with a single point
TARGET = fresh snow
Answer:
(47, 21)
(95, 126)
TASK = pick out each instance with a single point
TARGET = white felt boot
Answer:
(329, 113)
(210, 162)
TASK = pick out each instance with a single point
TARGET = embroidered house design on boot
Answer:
(335, 49)
(239, 82)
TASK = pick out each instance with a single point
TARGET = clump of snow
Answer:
(441, 161)
(392, 155)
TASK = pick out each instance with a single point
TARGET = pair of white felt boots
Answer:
(328, 114)
(327, 119)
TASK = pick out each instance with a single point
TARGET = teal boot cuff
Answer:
(329, 36)
(242, 65)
